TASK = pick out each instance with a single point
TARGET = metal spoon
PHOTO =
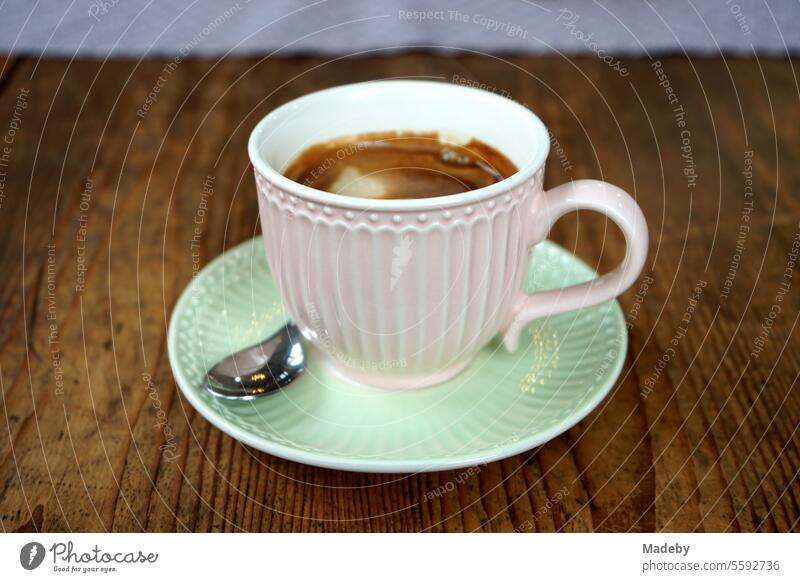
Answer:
(261, 369)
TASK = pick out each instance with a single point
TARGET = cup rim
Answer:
(327, 198)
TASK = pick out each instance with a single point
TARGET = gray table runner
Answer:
(136, 28)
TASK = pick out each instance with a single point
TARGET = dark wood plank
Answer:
(706, 441)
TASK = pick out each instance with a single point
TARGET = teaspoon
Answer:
(260, 369)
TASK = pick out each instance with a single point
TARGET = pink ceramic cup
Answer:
(404, 293)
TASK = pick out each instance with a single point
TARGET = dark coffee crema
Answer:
(399, 165)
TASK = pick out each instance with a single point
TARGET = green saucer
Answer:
(501, 405)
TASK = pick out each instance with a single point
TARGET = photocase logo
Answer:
(31, 555)
(402, 254)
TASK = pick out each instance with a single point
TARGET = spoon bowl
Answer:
(260, 369)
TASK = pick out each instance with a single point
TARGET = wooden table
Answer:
(101, 182)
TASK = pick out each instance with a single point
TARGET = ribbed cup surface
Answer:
(406, 291)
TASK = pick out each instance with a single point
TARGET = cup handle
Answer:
(591, 195)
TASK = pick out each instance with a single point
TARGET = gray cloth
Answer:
(140, 28)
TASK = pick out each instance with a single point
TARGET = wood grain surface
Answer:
(103, 165)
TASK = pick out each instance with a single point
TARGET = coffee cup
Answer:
(404, 293)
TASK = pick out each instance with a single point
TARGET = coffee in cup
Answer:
(399, 164)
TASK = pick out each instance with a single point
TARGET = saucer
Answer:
(502, 404)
